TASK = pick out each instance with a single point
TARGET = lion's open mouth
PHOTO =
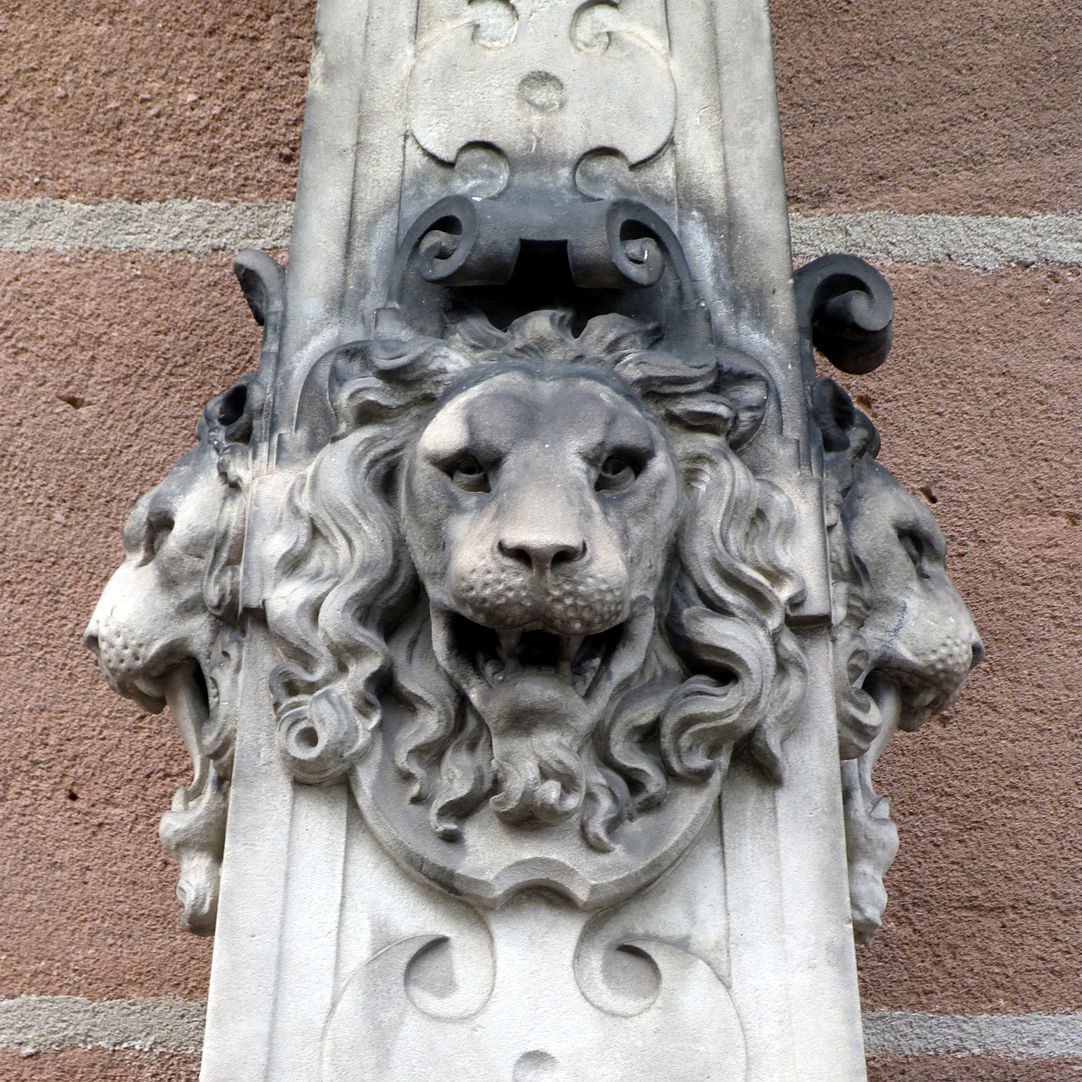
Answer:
(500, 656)
(186, 681)
(918, 698)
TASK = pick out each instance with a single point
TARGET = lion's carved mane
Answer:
(349, 617)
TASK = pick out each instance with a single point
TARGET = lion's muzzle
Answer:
(541, 604)
(579, 598)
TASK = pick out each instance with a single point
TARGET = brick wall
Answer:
(924, 136)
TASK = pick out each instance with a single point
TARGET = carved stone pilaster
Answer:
(535, 612)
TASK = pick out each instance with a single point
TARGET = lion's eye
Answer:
(470, 475)
(916, 548)
(617, 471)
(158, 528)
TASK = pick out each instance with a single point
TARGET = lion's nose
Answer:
(90, 639)
(978, 653)
(540, 554)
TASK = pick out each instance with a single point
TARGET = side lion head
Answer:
(903, 621)
(904, 642)
(163, 631)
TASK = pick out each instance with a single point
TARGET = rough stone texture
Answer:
(1027, 1036)
(973, 1069)
(97, 1066)
(106, 363)
(49, 1023)
(930, 107)
(299, 918)
(969, 240)
(907, 107)
(978, 408)
(149, 99)
(100, 1066)
(174, 225)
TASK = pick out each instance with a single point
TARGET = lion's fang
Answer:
(585, 673)
(509, 643)
(569, 648)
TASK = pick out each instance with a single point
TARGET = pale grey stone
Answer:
(31, 1024)
(185, 225)
(904, 640)
(1027, 1036)
(986, 242)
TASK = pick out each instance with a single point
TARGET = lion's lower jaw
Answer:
(135, 682)
(145, 674)
(920, 698)
(914, 699)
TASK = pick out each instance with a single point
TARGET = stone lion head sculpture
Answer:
(542, 548)
(163, 631)
(903, 622)
(904, 641)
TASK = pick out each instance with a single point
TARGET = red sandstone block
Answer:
(907, 106)
(152, 100)
(100, 1066)
(951, 107)
(973, 1069)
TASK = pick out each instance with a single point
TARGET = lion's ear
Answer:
(228, 424)
(843, 426)
(748, 391)
(230, 418)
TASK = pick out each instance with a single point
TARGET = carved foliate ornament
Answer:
(542, 65)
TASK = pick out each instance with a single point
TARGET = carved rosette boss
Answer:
(534, 617)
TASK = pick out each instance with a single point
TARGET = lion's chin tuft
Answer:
(539, 781)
